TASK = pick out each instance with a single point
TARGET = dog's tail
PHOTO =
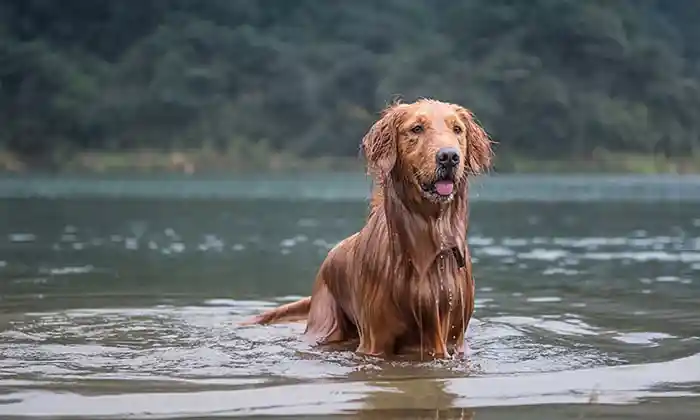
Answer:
(294, 311)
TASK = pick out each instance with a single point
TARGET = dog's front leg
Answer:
(376, 340)
(377, 348)
(461, 345)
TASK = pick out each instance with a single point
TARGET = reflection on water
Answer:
(111, 307)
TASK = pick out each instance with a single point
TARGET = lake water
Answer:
(120, 297)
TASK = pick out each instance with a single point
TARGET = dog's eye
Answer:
(457, 129)
(417, 129)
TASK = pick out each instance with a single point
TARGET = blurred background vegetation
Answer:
(234, 84)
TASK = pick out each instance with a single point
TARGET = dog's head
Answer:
(433, 145)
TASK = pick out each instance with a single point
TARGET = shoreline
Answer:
(202, 162)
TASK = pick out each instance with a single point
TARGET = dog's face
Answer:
(430, 144)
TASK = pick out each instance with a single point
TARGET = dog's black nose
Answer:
(448, 157)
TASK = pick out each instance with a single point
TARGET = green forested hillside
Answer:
(547, 78)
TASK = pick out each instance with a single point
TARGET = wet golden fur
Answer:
(394, 286)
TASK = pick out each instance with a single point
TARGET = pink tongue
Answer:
(444, 187)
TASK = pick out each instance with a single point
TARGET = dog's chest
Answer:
(441, 290)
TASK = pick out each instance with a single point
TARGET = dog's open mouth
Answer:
(444, 188)
(439, 190)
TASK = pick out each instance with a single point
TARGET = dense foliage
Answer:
(547, 78)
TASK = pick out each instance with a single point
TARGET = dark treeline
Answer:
(547, 78)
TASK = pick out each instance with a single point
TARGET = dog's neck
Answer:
(422, 230)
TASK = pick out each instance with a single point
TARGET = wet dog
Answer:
(404, 281)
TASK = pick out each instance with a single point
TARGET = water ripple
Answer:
(130, 307)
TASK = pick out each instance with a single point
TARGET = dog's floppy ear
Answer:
(479, 152)
(379, 144)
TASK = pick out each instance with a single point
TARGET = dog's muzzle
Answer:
(447, 157)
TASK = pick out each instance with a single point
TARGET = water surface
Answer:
(120, 297)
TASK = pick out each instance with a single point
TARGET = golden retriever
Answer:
(404, 281)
